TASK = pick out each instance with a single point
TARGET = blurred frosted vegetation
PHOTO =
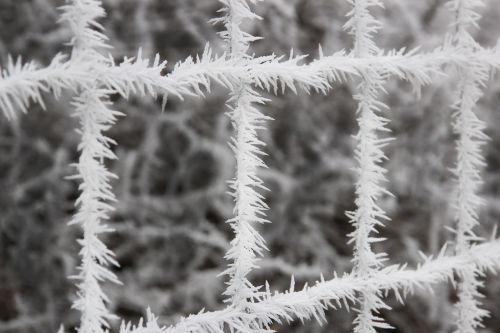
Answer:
(170, 226)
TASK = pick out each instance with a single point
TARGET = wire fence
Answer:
(94, 77)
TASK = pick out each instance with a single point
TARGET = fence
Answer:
(94, 77)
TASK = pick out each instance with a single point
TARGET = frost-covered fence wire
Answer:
(93, 76)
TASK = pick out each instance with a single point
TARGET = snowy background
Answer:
(170, 226)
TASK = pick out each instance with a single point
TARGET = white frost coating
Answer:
(471, 138)
(22, 83)
(363, 26)
(371, 174)
(92, 108)
(249, 203)
(94, 77)
(250, 207)
(313, 302)
(235, 12)
(94, 207)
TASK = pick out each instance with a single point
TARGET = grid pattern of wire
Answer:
(94, 77)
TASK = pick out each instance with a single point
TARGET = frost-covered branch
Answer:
(471, 137)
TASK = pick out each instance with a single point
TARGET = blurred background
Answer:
(171, 234)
